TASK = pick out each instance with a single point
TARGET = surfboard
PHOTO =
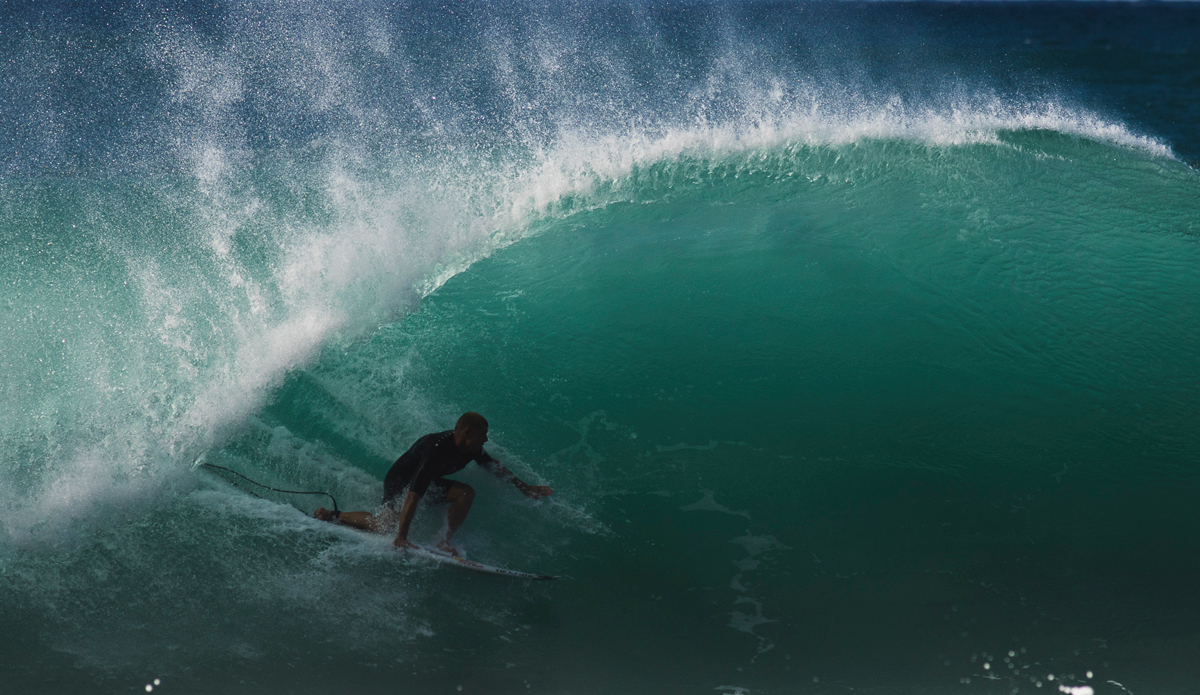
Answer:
(430, 553)
(421, 551)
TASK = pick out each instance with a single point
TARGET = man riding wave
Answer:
(421, 472)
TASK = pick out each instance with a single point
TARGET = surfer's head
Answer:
(470, 433)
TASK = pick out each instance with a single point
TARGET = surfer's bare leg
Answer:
(460, 496)
(364, 521)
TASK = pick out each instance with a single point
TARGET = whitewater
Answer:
(858, 342)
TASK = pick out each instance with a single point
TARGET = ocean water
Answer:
(859, 341)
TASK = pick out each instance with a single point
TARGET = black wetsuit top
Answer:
(426, 462)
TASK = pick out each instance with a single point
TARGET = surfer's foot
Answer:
(445, 547)
(324, 514)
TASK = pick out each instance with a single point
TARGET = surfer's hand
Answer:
(403, 543)
(538, 491)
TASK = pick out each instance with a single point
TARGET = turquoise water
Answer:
(858, 360)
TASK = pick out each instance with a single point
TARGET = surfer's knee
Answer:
(461, 493)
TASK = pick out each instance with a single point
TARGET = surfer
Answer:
(422, 471)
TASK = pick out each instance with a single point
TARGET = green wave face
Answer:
(1008, 301)
(793, 388)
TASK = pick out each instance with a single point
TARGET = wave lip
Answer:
(580, 160)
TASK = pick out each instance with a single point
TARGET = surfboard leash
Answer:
(336, 511)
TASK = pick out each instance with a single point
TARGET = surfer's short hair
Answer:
(470, 422)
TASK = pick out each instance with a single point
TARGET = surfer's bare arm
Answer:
(407, 512)
(502, 472)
